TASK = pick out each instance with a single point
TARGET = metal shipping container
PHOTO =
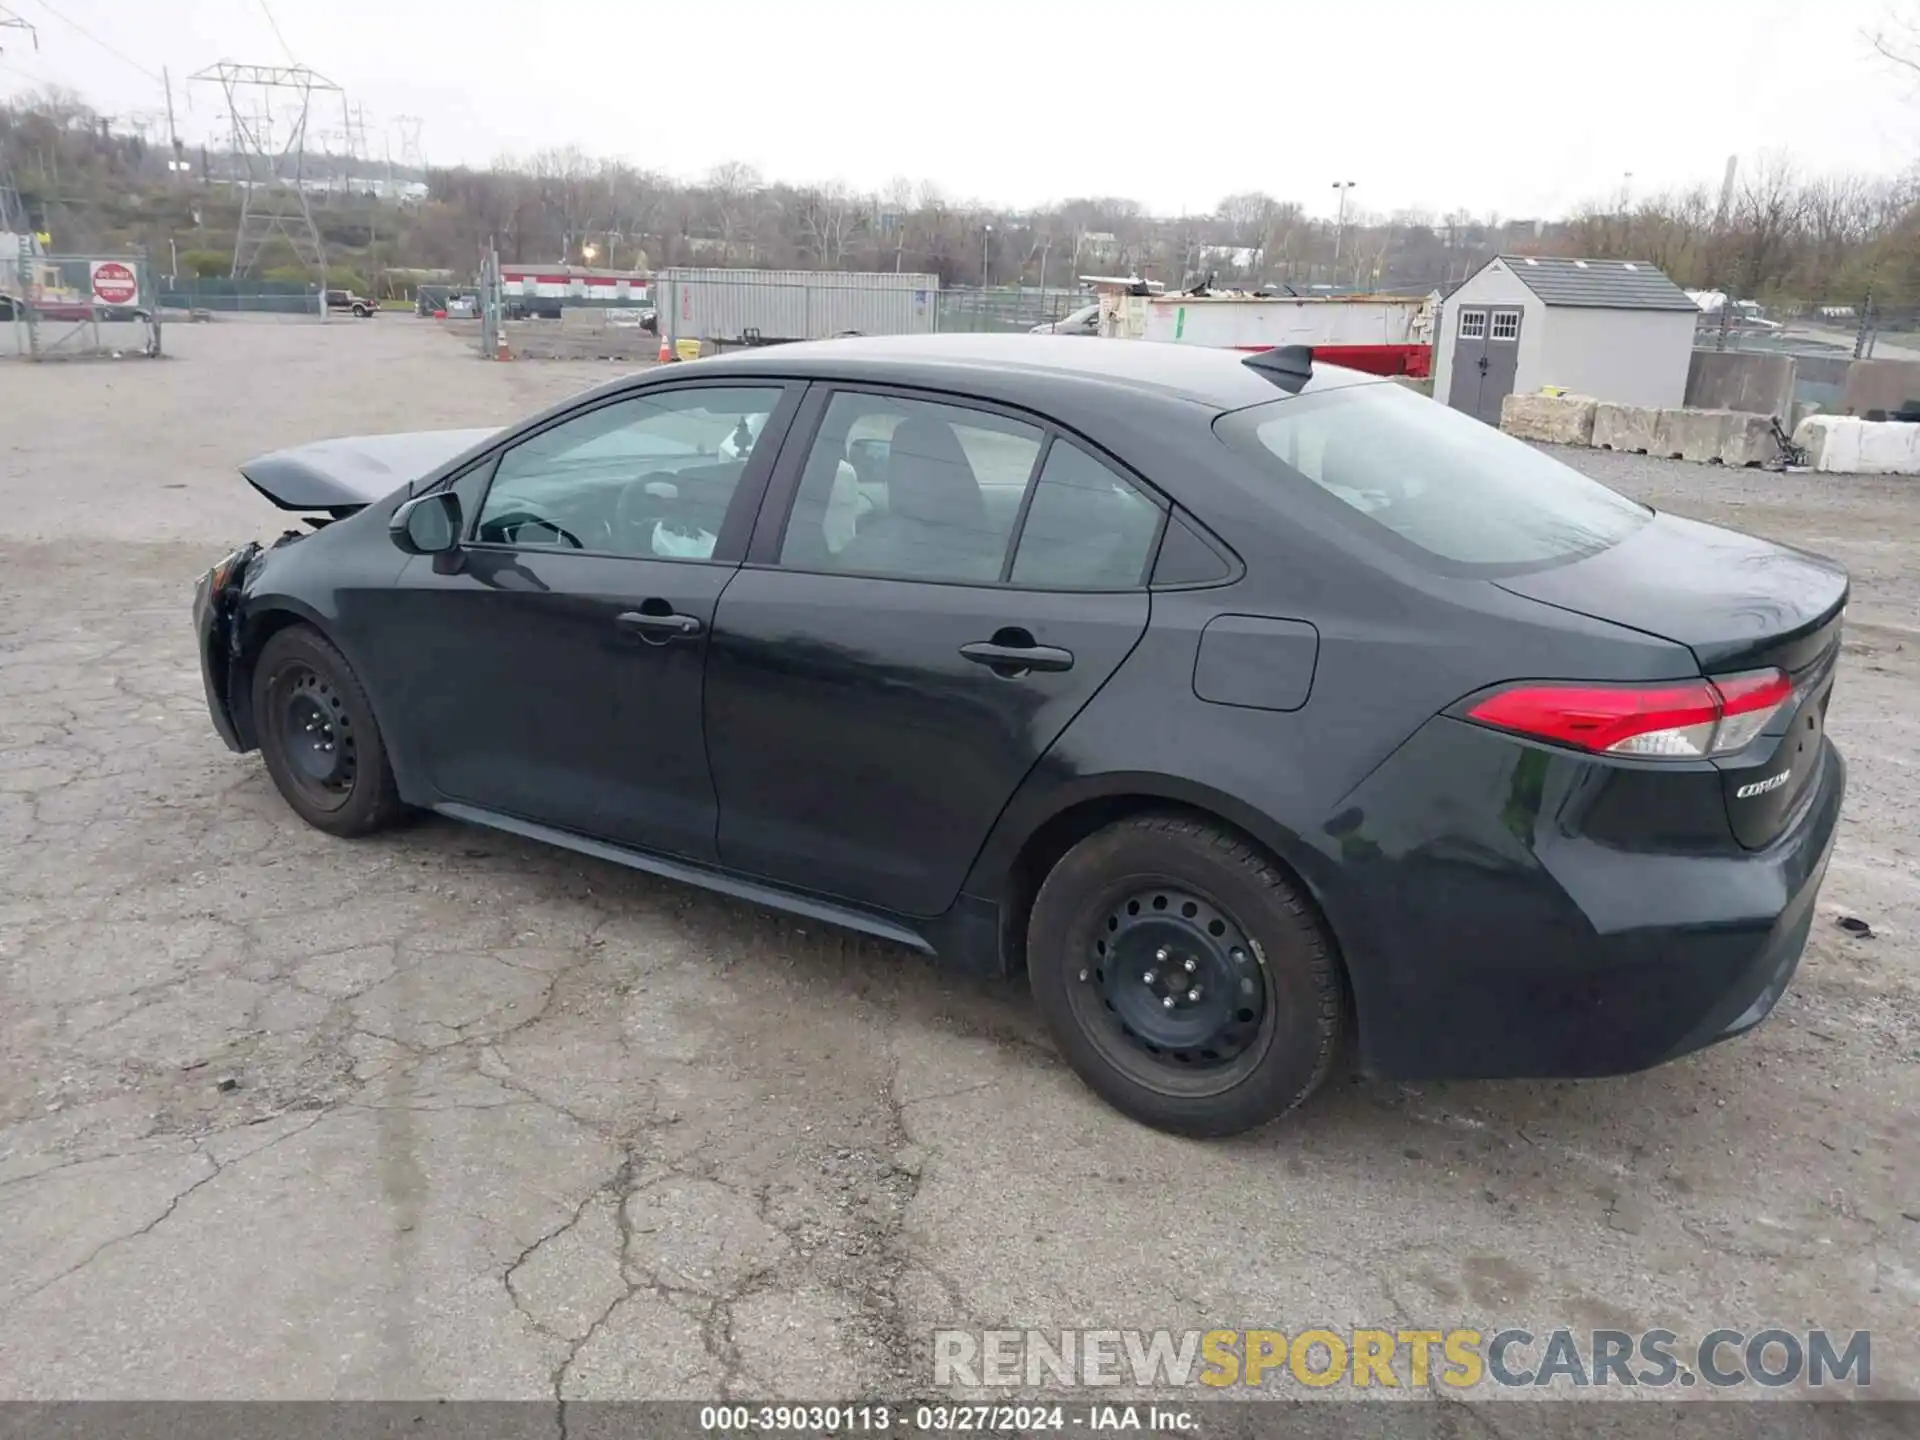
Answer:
(1246, 322)
(734, 306)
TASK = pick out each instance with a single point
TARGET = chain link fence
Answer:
(1008, 310)
(244, 296)
(1824, 337)
(60, 307)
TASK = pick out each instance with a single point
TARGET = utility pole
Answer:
(1340, 224)
(176, 153)
(1720, 235)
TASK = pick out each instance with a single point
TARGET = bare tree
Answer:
(828, 218)
(732, 187)
(1897, 38)
(1767, 209)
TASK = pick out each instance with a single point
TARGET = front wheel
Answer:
(318, 737)
(1184, 977)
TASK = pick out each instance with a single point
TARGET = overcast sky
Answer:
(1512, 106)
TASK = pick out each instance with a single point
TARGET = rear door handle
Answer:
(1015, 659)
(658, 627)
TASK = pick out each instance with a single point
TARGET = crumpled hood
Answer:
(348, 473)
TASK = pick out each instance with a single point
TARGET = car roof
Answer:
(1008, 366)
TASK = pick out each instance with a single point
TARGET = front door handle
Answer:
(1016, 659)
(658, 627)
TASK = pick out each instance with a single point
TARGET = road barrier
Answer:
(1719, 437)
(1550, 419)
(1845, 445)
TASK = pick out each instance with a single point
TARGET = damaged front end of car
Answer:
(216, 624)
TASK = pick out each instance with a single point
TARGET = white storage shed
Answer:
(1614, 329)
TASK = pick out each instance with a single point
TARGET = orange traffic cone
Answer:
(666, 352)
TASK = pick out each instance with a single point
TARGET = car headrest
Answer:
(928, 477)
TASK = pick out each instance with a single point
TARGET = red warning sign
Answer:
(114, 283)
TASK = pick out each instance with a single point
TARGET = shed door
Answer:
(1486, 351)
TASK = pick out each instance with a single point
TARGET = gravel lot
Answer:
(445, 1113)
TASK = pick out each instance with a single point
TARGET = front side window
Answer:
(1453, 490)
(910, 489)
(651, 476)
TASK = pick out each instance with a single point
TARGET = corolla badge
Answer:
(1761, 787)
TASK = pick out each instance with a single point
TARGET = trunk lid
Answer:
(344, 475)
(1738, 603)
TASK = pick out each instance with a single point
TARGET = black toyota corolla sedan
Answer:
(1253, 707)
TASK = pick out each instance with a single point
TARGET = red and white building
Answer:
(560, 286)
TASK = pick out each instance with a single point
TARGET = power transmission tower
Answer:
(274, 202)
(11, 21)
(412, 157)
(344, 150)
(358, 155)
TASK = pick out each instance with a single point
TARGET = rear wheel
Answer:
(318, 737)
(1184, 977)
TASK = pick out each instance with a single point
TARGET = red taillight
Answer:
(1689, 719)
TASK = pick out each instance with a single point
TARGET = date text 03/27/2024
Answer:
(940, 1419)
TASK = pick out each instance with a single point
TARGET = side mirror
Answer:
(429, 525)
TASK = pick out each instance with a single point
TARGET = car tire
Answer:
(361, 312)
(318, 736)
(1184, 977)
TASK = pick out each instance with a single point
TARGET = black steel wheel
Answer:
(1184, 975)
(318, 737)
(1172, 991)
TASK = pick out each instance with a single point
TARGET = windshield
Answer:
(1431, 478)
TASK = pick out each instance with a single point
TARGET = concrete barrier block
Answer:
(1707, 437)
(1551, 419)
(1750, 380)
(1845, 445)
(1689, 434)
(1633, 428)
(1887, 385)
(1748, 440)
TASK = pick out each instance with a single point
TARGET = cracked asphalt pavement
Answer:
(444, 1113)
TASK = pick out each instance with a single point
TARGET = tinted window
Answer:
(651, 476)
(1186, 559)
(471, 485)
(1434, 478)
(1086, 528)
(910, 489)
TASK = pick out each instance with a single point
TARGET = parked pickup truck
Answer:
(345, 302)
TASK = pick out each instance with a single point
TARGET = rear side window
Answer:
(1086, 528)
(910, 489)
(1454, 490)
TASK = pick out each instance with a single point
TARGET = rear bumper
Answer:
(1522, 949)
